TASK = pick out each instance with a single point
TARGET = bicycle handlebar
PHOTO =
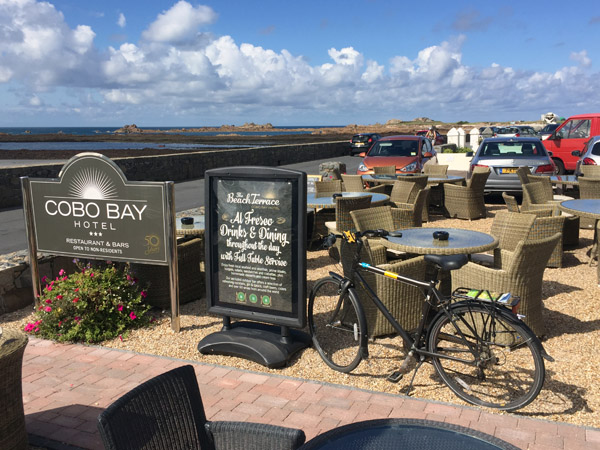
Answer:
(352, 236)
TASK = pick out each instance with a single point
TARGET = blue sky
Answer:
(187, 63)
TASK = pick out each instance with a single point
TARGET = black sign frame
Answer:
(257, 175)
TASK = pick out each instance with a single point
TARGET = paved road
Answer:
(189, 194)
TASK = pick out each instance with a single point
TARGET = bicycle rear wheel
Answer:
(337, 325)
(500, 365)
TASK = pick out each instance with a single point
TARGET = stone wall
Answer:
(179, 167)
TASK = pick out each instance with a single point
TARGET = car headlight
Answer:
(362, 167)
(409, 168)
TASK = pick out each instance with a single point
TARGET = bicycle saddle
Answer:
(448, 262)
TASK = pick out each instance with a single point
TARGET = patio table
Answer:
(590, 208)
(422, 242)
(328, 202)
(384, 434)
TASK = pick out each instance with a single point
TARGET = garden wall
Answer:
(180, 167)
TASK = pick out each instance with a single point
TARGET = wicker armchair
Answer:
(590, 171)
(509, 228)
(467, 202)
(166, 413)
(410, 215)
(522, 173)
(521, 274)
(589, 187)
(354, 183)
(403, 301)
(513, 206)
(384, 170)
(435, 169)
(544, 227)
(405, 189)
(343, 206)
(326, 188)
(545, 180)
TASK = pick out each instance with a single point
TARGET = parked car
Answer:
(590, 155)
(515, 131)
(571, 136)
(505, 155)
(440, 139)
(363, 141)
(407, 153)
(547, 130)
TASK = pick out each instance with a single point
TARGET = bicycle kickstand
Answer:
(410, 385)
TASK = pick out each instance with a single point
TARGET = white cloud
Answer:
(121, 21)
(180, 23)
(175, 70)
(582, 58)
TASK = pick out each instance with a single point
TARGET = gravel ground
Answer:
(570, 394)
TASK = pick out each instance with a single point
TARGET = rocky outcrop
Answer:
(129, 129)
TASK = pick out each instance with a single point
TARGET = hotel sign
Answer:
(92, 211)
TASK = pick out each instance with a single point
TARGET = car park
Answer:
(363, 141)
(590, 155)
(515, 131)
(505, 155)
(408, 153)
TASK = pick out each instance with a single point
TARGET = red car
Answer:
(407, 153)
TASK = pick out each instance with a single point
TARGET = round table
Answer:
(445, 179)
(590, 208)
(421, 241)
(312, 201)
(392, 434)
(380, 178)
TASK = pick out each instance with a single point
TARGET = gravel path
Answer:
(570, 394)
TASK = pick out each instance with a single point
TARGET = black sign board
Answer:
(256, 244)
(92, 211)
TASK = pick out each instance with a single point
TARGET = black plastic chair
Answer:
(166, 413)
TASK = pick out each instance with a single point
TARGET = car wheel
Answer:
(560, 167)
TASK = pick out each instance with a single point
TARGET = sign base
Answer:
(258, 342)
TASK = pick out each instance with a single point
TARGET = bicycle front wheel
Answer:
(337, 325)
(487, 357)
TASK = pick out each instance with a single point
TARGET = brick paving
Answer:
(66, 386)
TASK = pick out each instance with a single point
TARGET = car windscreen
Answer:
(395, 148)
(511, 149)
(361, 138)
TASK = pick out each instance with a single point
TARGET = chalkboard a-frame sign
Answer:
(256, 244)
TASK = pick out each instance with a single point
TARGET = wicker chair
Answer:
(403, 301)
(326, 188)
(467, 202)
(522, 173)
(513, 206)
(405, 189)
(166, 413)
(590, 171)
(509, 228)
(435, 169)
(354, 183)
(410, 215)
(544, 227)
(343, 207)
(589, 187)
(384, 170)
(545, 180)
(521, 274)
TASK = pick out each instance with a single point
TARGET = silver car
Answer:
(590, 155)
(505, 155)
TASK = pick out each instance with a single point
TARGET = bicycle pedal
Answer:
(395, 376)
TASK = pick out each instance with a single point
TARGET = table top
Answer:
(312, 201)
(562, 179)
(445, 179)
(196, 228)
(380, 178)
(421, 241)
(392, 434)
(391, 179)
(582, 207)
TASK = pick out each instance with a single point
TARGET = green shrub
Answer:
(92, 305)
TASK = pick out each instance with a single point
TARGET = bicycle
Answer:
(481, 349)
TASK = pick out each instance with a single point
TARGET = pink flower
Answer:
(76, 299)
(47, 309)
(61, 272)
(40, 308)
(44, 278)
(77, 318)
(59, 297)
(48, 301)
(48, 287)
(91, 274)
(143, 294)
(60, 323)
(76, 289)
(132, 316)
(120, 308)
(121, 337)
(65, 278)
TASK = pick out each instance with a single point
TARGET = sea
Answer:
(95, 131)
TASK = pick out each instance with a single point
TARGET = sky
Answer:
(328, 62)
